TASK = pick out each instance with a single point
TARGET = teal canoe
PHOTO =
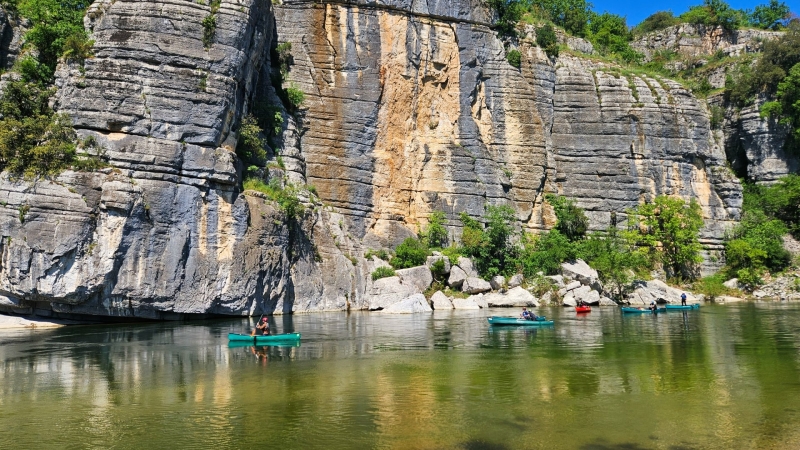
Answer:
(631, 310)
(263, 340)
(682, 308)
(541, 321)
(242, 344)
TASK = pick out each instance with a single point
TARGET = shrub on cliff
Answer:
(547, 40)
(412, 252)
(250, 146)
(514, 57)
(382, 272)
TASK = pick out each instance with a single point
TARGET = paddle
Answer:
(253, 333)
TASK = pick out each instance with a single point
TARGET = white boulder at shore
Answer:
(516, 297)
(475, 285)
(416, 303)
(465, 303)
(439, 301)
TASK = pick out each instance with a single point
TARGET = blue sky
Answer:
(636, 11)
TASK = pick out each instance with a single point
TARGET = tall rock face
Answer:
(411, 109)
(754, 145)
(163, 231)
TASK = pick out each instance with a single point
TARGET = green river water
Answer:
(722, 377)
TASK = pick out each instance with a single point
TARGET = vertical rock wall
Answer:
(410, 112)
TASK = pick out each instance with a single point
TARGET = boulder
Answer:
(475, 285)
(466, 265)
(413, 304)
(465, 303)
(573, 285)
(388, 291)
(497, 282)
(419, 277)
(516, 297)
(546, 299)
(480, 300)
(439, 257)
(591, 298)
(605, 301)
(457, 277)
(569, 300)
(646, 291)
(441, 301)
(579, 270)
(558, 280)
(727, 299)
(515, 281)
(733, 283)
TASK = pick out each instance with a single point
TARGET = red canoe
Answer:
(582, 309)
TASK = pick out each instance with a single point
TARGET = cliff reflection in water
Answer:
(719, 378)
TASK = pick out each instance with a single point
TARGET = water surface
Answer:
(721, 377)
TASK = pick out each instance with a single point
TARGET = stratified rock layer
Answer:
(407, 113)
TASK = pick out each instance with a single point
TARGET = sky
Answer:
(637, 10)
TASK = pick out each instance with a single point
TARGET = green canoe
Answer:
(263, 340)
(631, 310)
(495, 320)
(242, 344)
(681, 307)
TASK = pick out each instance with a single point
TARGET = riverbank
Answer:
(9, 322)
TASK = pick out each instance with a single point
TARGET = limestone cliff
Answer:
(164, 231)
(410, 107)
(410, 112)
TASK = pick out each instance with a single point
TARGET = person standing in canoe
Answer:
(683, 299)
(263, 327)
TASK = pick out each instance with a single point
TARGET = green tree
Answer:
(786, 107)
(508, 14)
(545, 253)
(571, 15)
(615, 258)
(492, 247)
(669, 229)
(714, 13)
(571, 220)
(54, 22)
(436, 234)
(655, 22)
(771, 16)
(609, 33)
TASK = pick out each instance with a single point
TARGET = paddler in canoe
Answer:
(262, 326)
(527, 315)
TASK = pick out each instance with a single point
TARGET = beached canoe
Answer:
(541, 321)
(583, 309)
(263, 340)
(631, 310)
(681, 307)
